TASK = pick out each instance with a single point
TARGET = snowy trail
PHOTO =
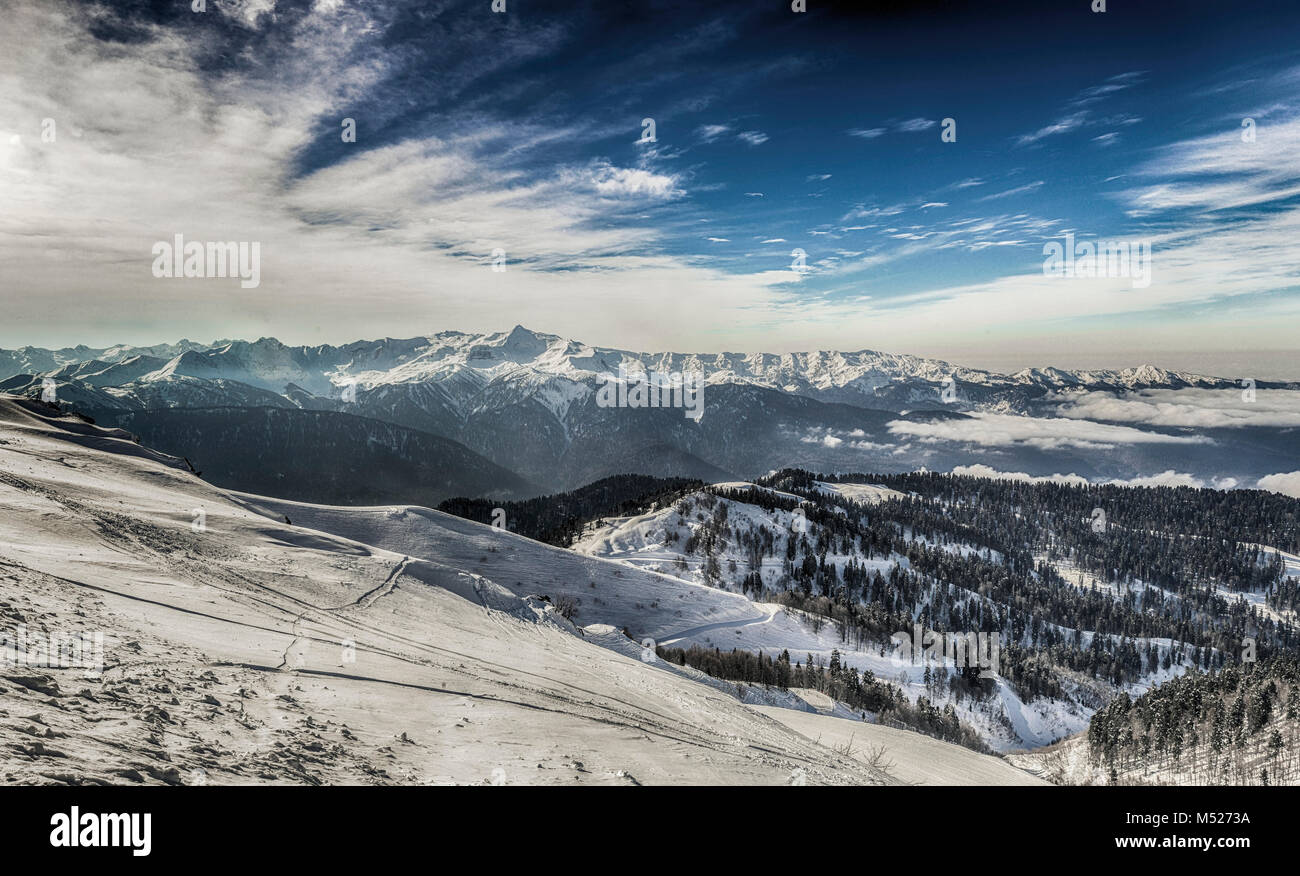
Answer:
(769, 612)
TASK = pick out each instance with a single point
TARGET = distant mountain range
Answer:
(526, 405)
(466, 365)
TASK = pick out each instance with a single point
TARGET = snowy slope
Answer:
(648, 604)
(671, 610)
(870, 494)
(912, 757)
(252, 650)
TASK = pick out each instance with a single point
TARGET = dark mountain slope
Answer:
(322, 456)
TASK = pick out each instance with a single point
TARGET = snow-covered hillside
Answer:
(385, 645)
(735, 548)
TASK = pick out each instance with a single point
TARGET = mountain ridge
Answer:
(531, 403)
(555, 354)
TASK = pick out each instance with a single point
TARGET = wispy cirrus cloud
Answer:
(906, 126)
(1011, 193)
(1115, 84)
(1221, 171)
(1079, 109)
(711, 133)
(1072, 122)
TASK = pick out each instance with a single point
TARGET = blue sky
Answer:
(775, 131)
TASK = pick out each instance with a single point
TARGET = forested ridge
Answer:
(558, 519)
(1085, 602)
(1005, 586)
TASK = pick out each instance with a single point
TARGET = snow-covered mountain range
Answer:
(532, 403)
(464, 364)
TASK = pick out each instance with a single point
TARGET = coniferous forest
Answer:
(1092, 590)
(1238, 726)
(559, 518)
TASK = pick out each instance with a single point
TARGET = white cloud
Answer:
(1196, 408)
(1221, 171)
(1080, 114)
(1018, 190)
(1190, 269)
(832, 441)
(624, 181)
(983, 471)
(1043, 433)
(753, 138)
(1286, 483)
(1061, 126)
(709, 133)
(1169, 478)
(249, 12)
